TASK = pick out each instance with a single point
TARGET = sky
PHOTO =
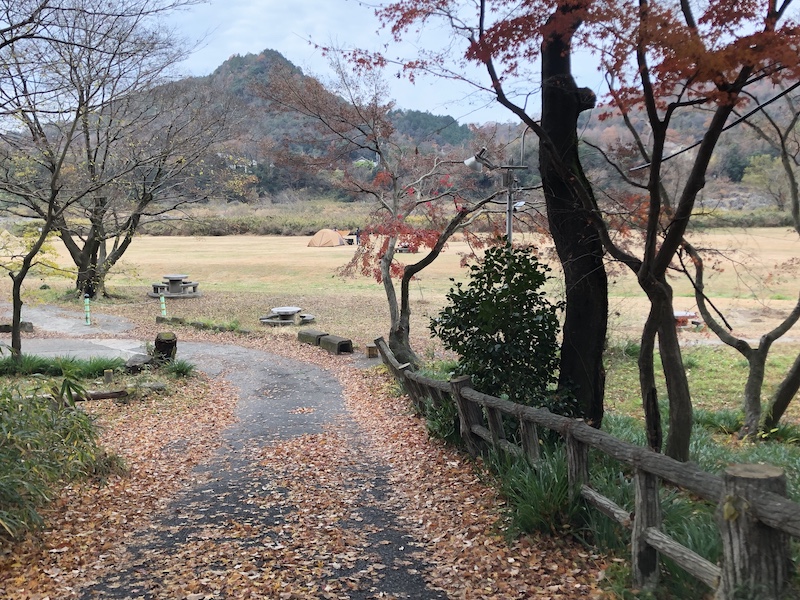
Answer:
(230, 27)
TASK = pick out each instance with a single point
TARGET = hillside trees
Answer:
(350, 126)
(664, 60)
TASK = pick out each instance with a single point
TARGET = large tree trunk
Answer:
(577, 243)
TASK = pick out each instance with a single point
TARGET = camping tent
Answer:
(327, 237)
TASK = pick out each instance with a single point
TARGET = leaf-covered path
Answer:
(282, 472)
(290, 506)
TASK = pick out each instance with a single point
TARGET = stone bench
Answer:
(190, 286)
(160, 288)
(335, 344)
(310, 336)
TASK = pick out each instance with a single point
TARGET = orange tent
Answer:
(326, 238)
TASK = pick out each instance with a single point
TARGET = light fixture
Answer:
(509, 181)
(477, 162)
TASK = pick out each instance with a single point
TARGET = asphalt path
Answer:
(271, 389)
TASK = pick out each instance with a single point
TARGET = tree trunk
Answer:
(681, 417)
(662, 318)
(756, 361)
(579, 248)
(783, 396)
(647, 382)
(16, 315)
(399, 320)
(400, 343)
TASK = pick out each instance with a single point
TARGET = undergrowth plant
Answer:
(44, 443)
(179, 368)
(71, 367)
(441, 421)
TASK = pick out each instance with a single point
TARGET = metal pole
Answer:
(86, 309)
(163, 305)
(510, 207)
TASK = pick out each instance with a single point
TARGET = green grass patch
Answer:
(74, 368)
(179, 368)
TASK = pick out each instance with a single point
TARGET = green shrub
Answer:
(503, 327)
(44, 442)
(538, 498)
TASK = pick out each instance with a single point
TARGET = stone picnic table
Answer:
(175, 285)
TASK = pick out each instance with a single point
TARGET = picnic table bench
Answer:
(175, 286)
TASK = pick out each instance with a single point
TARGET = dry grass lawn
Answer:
(242, 277)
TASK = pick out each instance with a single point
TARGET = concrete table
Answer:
(175, 283)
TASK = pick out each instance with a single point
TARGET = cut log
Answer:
(103, 395)
(166, 346)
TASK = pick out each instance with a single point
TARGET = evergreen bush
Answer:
(503, 327)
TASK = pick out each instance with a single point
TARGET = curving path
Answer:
(236, 509)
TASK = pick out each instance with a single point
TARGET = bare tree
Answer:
(61, 84)
(350, 120)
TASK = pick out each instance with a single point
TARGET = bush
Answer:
(441, 421)
(503, 327)
(538, 497)
(44, 442)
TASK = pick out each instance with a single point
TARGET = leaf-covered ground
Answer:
(368, 507)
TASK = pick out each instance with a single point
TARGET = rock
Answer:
(137, 362)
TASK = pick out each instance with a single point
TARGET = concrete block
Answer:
(336, 345)
(310, 336)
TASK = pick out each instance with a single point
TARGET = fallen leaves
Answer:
(361, 509)
(87, 524)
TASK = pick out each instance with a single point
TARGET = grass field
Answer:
(756, 283)
(243, 277)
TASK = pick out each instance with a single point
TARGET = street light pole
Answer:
(509, 180)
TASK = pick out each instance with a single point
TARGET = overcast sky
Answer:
(249, 26)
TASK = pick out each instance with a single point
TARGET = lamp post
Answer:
(509, 181)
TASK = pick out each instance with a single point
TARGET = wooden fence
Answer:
(754, 517)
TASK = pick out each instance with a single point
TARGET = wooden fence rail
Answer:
(754, 517)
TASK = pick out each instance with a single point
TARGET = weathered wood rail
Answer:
(754, 517)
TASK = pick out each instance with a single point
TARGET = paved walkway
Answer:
(237, 510)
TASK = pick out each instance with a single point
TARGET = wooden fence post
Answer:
(577, 463)
(414, 389)
(756, 558)
(647, 513)
(495, 419)
(530, 440)
(469, 414)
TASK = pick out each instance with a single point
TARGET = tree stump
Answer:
(756, 557)
(165, 346)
